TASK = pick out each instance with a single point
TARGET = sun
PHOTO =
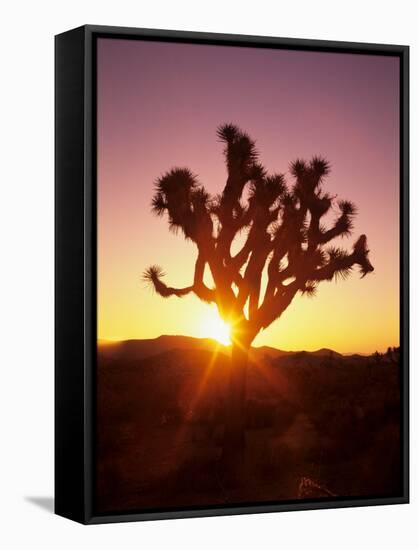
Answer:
(212, 326)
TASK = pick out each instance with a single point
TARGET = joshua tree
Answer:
(282, 233)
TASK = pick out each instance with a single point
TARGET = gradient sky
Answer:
(159, 105)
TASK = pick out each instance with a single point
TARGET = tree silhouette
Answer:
(282, 236)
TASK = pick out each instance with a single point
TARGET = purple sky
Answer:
(159, 105)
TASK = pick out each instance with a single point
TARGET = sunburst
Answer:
(212, 326)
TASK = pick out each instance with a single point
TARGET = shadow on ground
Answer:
(46, 503)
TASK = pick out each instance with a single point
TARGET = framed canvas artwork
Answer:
(231, 274)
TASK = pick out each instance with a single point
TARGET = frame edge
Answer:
(69, 275)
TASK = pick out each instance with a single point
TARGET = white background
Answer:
(26, 286)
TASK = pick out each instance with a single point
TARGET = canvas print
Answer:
(248, 301)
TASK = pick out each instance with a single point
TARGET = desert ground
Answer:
(318, 425)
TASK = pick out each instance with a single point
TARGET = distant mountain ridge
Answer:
(141, 349)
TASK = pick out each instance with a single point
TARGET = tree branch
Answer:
(340, 262)
(201, 290)
(343, 225)
(153, 275)
(271, 310)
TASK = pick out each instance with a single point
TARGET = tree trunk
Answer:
(235, 411)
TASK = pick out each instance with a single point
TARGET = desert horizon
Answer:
(218, 344)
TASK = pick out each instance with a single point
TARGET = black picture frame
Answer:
(75, 266)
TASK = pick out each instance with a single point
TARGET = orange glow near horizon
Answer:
(159, 106)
